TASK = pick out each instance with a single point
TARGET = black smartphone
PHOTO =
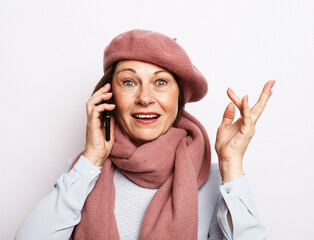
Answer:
(107, 115)
(106, 118)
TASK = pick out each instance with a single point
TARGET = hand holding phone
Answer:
(98, 140)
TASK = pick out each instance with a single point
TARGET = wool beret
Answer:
(161, 50)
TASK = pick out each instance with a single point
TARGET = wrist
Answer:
(98, 162)
(230, 171)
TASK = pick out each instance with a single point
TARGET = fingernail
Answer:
(231, 90)
(273, 83)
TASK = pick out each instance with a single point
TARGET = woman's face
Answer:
(146, 98)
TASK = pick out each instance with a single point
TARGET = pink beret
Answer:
(157, 48)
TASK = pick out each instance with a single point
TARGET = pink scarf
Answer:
(177, 163)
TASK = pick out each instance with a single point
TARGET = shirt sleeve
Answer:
(215, 232)
(56, 214)
(237, 199)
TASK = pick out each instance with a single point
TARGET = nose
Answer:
(145, 96)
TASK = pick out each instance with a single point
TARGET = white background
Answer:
(51, 59)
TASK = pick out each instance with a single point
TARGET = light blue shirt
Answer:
(57, 214)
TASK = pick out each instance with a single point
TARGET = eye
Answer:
(128, 83)
(161, 82)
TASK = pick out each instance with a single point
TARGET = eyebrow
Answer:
(159, 71)
(127, 69)
(133, 70)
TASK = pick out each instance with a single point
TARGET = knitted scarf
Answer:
(177, 163)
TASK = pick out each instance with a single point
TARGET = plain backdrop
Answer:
(51, 59)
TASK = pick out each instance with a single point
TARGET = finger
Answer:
(95, 100)
(234, 98)
(265, 94)
(246, 112)
(98, 99)
(229, 114)
(102, 90)
(261, 103)
(95, 113)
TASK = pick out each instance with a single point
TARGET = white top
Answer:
(56, 215)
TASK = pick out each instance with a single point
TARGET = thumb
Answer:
(229, 114)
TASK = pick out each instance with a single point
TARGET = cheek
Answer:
(122, 103)
(170, 104)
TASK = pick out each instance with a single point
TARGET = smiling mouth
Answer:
(146, 116)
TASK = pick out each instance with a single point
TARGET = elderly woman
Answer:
(153, 179)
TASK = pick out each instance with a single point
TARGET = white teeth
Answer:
(145, 116)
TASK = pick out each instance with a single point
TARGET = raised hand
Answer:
(233, 138)
(97, 149)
